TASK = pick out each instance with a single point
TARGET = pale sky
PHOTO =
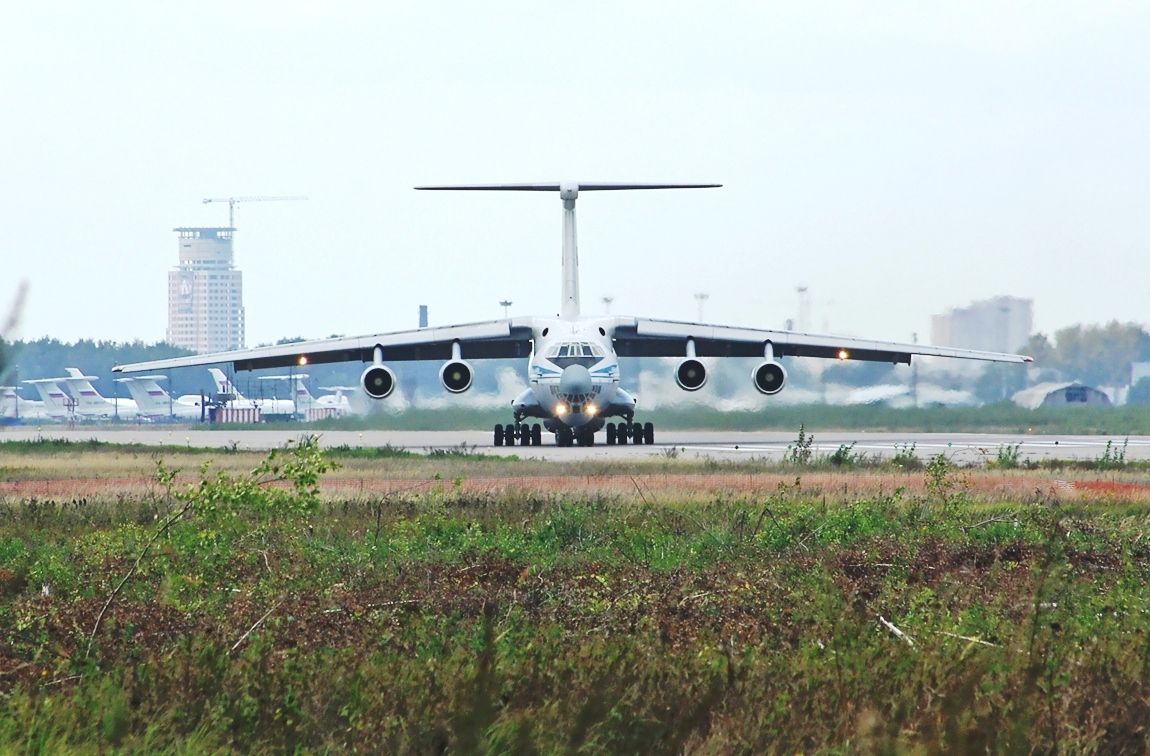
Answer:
(898, 158)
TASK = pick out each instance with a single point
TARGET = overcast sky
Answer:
(898, 158)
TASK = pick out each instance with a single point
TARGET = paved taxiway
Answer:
(726, 445)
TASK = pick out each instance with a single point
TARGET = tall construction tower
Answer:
(205, 293)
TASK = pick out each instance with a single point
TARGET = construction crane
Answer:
(233, 200)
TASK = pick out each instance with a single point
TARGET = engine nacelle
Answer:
(456, 376)
(769, 377)
(691, 374)
(378, 381)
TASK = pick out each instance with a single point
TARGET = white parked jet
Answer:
(57, 404)
(572, 361)
(225, 388)
(154, 402)
(14, 407)
(89, 404)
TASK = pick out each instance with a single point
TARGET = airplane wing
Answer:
(647, 337)
(491, 339)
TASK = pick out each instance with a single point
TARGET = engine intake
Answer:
(691, 374)
(769, 378)
(378, 381)
(456, 376)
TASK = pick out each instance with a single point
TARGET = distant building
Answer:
(1000, 324)
(1061, 395)
(205, 293)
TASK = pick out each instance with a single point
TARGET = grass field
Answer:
(188, 601)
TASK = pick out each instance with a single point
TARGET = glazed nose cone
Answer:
(575, 380)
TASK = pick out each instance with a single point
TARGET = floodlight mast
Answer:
(233, 200)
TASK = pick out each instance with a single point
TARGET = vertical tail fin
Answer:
(568, 193)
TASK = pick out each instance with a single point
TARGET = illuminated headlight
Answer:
(590, 410)
(302, 360)
(844, 354)
(560, 409)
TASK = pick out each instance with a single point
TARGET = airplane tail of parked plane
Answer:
(223, 384)
(568, 193)
(81, 388)
(149, 396)
(57, 403)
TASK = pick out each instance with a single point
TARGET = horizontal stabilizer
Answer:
(594, 186)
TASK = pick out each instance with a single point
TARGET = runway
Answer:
(965, 448)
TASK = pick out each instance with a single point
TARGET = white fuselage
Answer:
(573, 374)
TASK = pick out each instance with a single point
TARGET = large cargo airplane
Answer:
(572, 361)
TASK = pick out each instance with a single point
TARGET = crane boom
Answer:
(258, 198)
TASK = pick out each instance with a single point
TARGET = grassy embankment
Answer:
(923, 608)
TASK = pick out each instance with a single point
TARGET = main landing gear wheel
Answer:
(528, 435)
(610, 434)
(564, 437)
(648, 433)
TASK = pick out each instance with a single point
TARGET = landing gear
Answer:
(564, 436)
(528, 435)
(630, 432)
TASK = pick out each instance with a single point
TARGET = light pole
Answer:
(505, 304)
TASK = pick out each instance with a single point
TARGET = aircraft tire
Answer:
(610, 434)
(536, 435)
(498, 434)
(509, 435)
(648, 433)
(621, 434)
(636, 433)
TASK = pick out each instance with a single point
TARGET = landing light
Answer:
(302, 360)
(844, 354)
(560, 409)
(590, 410)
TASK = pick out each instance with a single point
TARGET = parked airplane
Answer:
(14, 407)
(88, 402)
(339, 400)
(232, 396)
(154, 402)
(57, 404)
(572, 361)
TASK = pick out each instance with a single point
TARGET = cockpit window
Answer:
(575, 349)
(575, 353)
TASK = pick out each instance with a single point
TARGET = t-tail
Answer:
(223, 385)
(568, 193)
(150, 397)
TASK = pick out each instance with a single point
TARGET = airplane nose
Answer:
(575, 380)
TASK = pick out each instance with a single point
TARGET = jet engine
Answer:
(456, 376)
(769, 377)
(378, 381)
(691, 374)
